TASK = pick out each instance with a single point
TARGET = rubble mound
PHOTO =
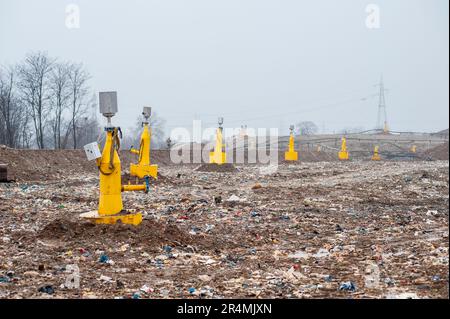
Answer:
(149, 233)
(39, 165)
(224, 168)
(440, 152)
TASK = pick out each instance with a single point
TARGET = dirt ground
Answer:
(313, 230)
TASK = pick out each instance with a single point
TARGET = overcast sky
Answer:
(264, 63)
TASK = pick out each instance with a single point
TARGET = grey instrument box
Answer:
(108, 103)
(147, 111)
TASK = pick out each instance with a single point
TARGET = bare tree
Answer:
(60, 94)
(307, 128)
(12, 113)
(79, 90)
(33, 85)
(156, 124)
(6, 107)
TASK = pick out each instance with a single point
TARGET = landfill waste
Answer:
(136, 295)
(256, 186)
(4, 279)
(105, 278)
(146, 289)
(47, 289)
(347, 286)
(372, 279)
(104, 259)
(402, 295)
(308, 229)
(217, 199)
(233, 198)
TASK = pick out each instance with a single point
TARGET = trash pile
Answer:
(316, 230)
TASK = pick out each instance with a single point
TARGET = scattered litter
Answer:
(256, 186)
(315, 230)
(255, 214)
(4, 279)
(167, 248)
(233, 198)
(104, 259)
(347, 286)
(321, 253)
(47, 289)
(146, 289)
(105, 278)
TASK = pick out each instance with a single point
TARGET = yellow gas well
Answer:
(110, 207)
(291, 154)
(343, 154)
(376, 155)
(143, 168)
(218, 155)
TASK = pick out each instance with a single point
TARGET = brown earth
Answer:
(440, 152)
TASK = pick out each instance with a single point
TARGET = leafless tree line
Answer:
(46, 103)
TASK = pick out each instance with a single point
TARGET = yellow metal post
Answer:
(110, 201)
(218, 155)
(343, 154)
(291, 154)
(376, 155)
(144, 167)
(110, 206)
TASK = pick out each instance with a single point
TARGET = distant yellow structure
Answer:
(291, 154)
(376, 155)
(218, 155)
(413, 149)
(144, 168)
(343, 153)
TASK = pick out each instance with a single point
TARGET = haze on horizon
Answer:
(262, 63)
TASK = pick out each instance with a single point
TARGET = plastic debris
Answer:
(347, 286)
(136, 295)
(104, 259)
(105, 278)
(233, 198)
(47, 289)
(4, 279)
(167, 248)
